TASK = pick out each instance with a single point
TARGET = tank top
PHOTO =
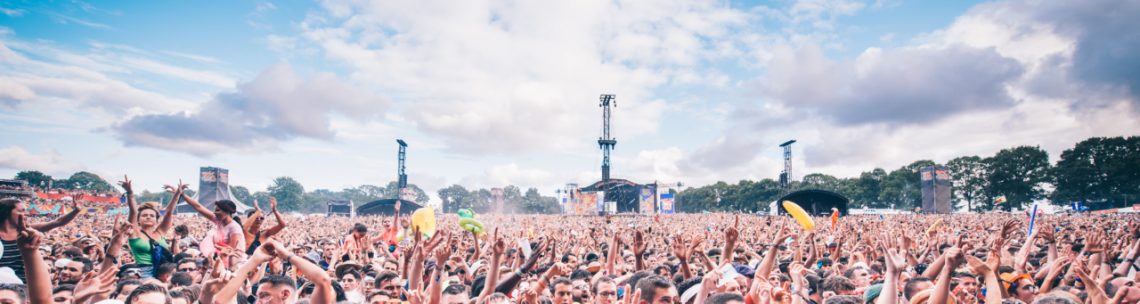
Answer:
(141, 251)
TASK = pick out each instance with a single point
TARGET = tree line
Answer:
(1099, 172)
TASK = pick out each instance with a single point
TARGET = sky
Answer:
(496, 93)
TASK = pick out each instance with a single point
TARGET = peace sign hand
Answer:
(126, 184)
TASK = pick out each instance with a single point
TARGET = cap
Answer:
(8, 276)
(746, 271)
(872, 293)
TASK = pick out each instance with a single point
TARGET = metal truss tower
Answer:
(786, 176)
(606, 142)
(403, 175)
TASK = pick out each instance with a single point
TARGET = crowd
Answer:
(222, 256)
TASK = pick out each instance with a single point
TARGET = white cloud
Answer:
(1004, 74)
(77, 79)
(206, 77)
(278, 105)
(65, 19)
(526, 74)
(12, 12)
(49, 162)
(195, 57)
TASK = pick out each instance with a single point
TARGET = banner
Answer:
(935, 185)
(667, 203)
(601, 201)
(646, 198)
(587, 203)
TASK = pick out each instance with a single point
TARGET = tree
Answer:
(289, 193)
(820, 181)
(34, 178)
(316, 201)
(868, 188)
(481, 200)
(1019, 174)
(242, 195)
(392, 190)
(84, 180)
(968, 175)
(1099, 170)
(697, 199)
(454, 197)
(533, 202)
(512, 199)
(901, 187)
(752, 196)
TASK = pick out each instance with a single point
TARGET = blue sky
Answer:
(490, 93)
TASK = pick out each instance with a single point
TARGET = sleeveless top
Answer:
(140, 249)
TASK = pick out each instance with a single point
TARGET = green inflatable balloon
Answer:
(466, 213)
(472, 225)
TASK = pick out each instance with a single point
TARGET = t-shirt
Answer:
(220, 237)
(13, 259)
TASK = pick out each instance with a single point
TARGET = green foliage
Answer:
(454, 197)
(746, 195)
(1019, 174)
(84, 180)
(241, 194)
(968, 174)
(1099, 171)
(289, 193)
(34, 178)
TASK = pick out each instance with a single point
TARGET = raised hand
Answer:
(680, 250)
(29, 239)
(895, 259)
(638, 242)
(977, 266)
(633, 298)
(94, 287)
(954, 256)
(558, 269)
(1047, 233)
(500, 246)
(126, 184)
(273, 204)
(265, 253)
(731, 235)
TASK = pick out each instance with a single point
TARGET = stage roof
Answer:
(816, 202)
(387, 207)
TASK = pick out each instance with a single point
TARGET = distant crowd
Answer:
(221, 255)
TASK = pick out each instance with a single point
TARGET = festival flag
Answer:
(999, 200)
(834, 218)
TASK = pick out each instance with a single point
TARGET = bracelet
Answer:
(518, 273)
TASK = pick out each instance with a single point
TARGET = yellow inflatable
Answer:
(800, 215)
(424, 219)
(934, 226)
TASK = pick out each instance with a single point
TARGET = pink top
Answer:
(220, 237)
